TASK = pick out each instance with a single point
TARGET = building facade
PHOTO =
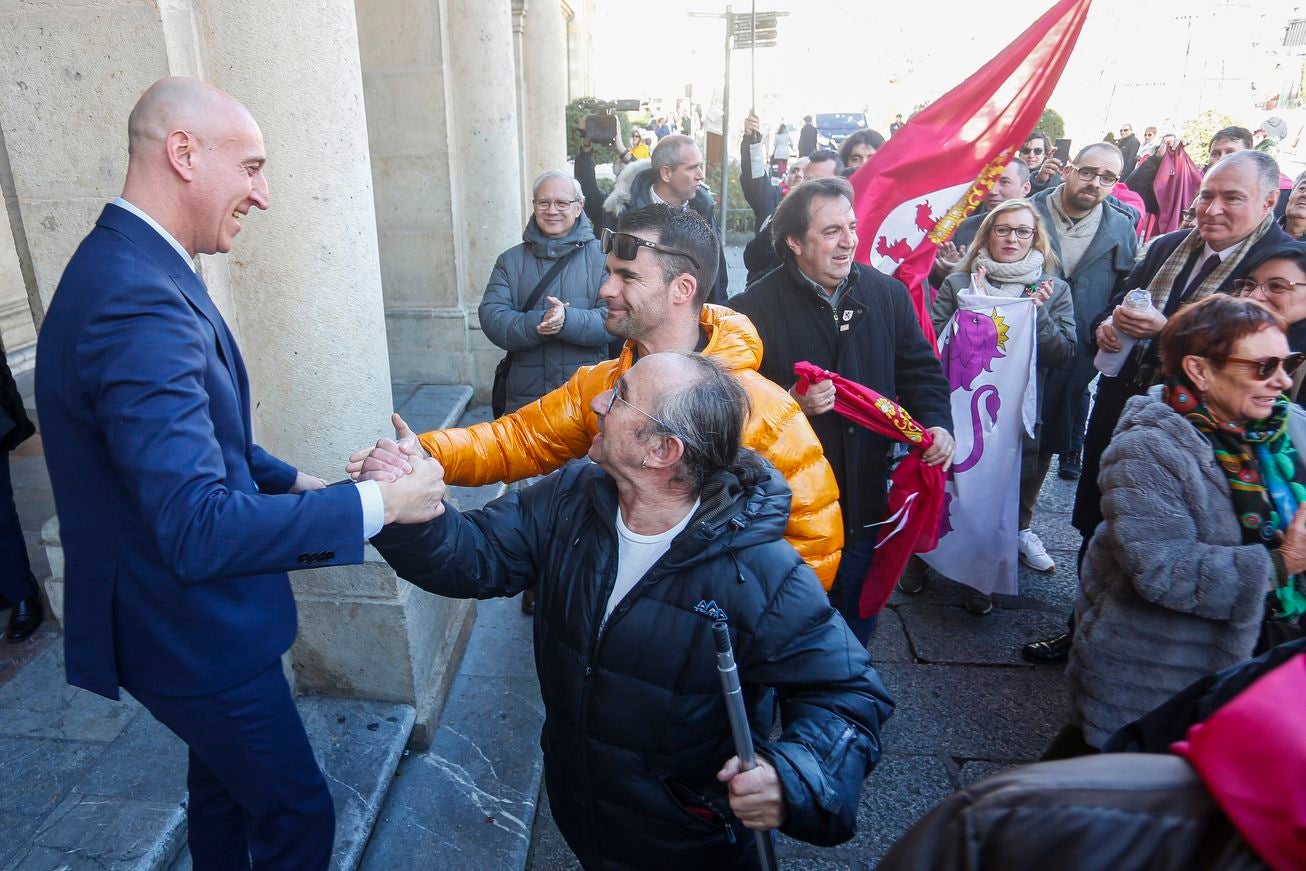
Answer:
(400, 138)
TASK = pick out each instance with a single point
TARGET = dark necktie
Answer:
(1208, 266)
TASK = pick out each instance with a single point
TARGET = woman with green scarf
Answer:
(1199, 560)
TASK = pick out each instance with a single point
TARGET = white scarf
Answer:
(1010, 279)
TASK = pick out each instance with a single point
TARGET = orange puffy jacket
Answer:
(557, 427)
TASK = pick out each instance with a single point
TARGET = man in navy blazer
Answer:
(178, 530)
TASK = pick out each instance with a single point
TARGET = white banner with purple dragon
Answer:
(988, 356)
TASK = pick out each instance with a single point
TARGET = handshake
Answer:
(411, 483)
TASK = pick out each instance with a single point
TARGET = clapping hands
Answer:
(554, 318)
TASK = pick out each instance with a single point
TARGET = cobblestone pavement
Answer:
(968, 706)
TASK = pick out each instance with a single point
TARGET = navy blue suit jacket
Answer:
(177, 529)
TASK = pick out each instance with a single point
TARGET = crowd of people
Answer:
(676, 478)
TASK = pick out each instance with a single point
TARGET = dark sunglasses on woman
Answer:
(1266, 368)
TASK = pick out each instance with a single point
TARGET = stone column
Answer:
(487, 190)
(440, 82)
(544, 57)
(306, 287)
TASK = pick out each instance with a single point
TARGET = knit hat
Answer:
(1251, 754)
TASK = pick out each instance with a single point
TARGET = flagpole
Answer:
(752, 55)
(725, 124)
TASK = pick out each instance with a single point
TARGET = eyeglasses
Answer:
(1191, 215)
(1246, 287)
(1087, 173)
(1021, 232)
(560, 205)
(616, 395)
(626, 247)
(1264, 369)
(1126, 130)
(1028, 150)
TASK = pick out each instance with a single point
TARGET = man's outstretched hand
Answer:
(388, 459)
(416, 497)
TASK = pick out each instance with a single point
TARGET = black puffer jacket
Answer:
(635, 727)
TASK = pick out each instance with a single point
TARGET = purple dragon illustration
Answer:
(971, 348)
(989, 394)
(969, 351)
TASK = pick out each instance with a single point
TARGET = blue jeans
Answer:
(846, 591)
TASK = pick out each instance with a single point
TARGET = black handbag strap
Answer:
(548, 279)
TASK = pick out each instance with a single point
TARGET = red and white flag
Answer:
(911, 195)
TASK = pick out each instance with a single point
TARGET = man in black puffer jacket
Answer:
(636, 555)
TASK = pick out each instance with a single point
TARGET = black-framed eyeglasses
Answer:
(616, 395)
(1266, 368)
(1191, 215)
(1021, 232)
(560, 205)
(1087, 173)
(1246, 287)
(626, 247)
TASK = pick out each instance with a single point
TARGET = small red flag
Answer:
(911, 195)
(915, 504)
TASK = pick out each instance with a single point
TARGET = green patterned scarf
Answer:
(1266, 476)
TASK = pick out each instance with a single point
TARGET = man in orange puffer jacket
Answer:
(655, 308)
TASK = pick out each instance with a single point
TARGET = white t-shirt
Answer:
(636, 554)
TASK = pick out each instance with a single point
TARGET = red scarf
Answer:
(911, 521)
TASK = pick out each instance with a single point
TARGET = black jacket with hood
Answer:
(635, 724)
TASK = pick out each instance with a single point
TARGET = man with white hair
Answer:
(1235, 221)
(673, 527)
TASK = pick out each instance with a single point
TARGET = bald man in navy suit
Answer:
(178, 529)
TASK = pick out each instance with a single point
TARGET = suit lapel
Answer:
(197, 294)
(192, 287)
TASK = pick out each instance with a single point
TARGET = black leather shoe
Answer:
(528, 600)
(1049, 651)
(24, 618)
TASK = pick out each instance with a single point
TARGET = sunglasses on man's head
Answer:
(1264, 369)
(626, 247)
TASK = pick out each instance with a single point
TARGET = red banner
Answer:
(939, 167)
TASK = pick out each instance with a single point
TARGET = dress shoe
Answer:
(528, 600)
(24, 618)
(1048, 651)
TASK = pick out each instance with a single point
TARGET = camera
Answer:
(602, 126)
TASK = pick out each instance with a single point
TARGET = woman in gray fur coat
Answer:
(1203, 539)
